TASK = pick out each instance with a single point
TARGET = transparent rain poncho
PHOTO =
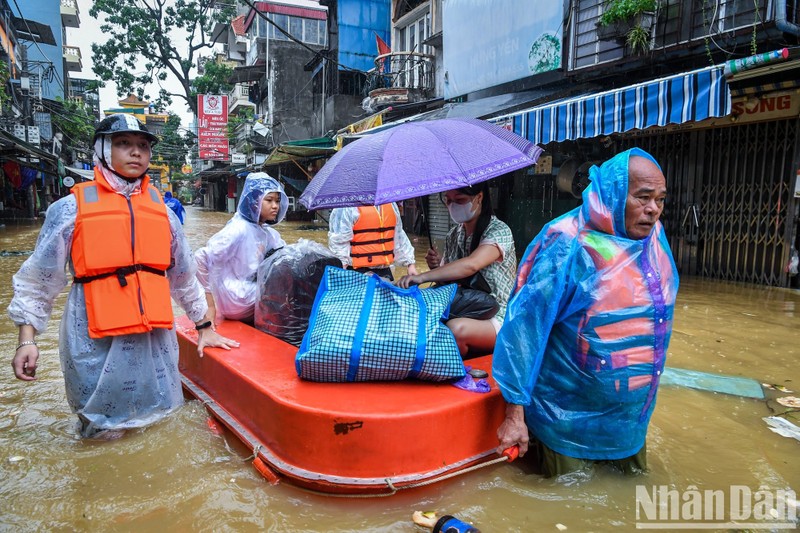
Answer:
(119, 382)
(227, 266)
(587, 328)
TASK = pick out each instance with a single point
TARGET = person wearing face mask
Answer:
(370, 238)
(127, 254)
(227, 266)
(480, 245)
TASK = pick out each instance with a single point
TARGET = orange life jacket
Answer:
(121, 251)
(373, 237)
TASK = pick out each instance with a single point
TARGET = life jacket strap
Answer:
(121, 273)
(376, 241)
(382, 252)
(373, 230)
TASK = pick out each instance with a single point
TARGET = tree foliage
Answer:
(4, 77)
(172, 146)
(151, 40)
(244, 116)
(214, 79)
(94, 85)
(76, 122)
(619, 10)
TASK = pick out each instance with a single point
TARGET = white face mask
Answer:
(461, 213)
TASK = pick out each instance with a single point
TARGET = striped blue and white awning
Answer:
(691, 96)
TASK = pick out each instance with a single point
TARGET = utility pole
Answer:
(322, 104)
(268, 80)
(27, 121)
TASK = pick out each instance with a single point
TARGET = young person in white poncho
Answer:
(228, 264)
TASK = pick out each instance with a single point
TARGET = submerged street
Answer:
(181, 475)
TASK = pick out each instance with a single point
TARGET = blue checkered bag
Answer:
(364, 328)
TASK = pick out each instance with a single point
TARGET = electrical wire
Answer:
(719, 29)
(30, 32)
(294, 39)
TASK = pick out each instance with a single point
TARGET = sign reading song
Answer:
(212, 117)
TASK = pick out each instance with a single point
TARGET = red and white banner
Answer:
(212, 118)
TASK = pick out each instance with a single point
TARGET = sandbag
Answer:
(364, 328)
(288, 280)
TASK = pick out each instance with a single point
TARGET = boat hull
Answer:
(346, 438)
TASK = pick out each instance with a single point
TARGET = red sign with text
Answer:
(212, 118)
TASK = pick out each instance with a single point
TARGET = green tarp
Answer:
(299, 150)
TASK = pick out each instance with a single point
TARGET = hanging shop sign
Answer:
(212, 117)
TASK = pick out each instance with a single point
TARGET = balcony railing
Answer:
(239, 91)
(405, 70)
(72, 58)
(70, 14)
(238, 98)
(240, 135)
(719, 25)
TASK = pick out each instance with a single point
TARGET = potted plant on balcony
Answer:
(629, 21)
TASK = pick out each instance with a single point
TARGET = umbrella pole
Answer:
(423, 204)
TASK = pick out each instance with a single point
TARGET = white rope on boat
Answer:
(394, 490)
(255, 453)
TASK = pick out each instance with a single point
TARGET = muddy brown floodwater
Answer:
(179, 476)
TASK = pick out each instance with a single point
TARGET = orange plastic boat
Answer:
(339, 438)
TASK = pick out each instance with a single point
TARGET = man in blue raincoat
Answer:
(581, 351)
(174, 204)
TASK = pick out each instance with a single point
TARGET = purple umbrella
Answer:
(417, 159)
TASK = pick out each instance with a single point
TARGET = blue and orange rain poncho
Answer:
(587, 328)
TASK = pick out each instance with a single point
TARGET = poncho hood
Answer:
(256, 187)
(605, 198)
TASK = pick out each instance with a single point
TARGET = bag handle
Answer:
(361, 327)
(422, 333)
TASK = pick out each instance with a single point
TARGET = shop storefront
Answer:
(729, 148)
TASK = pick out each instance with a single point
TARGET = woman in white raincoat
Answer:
(227, 266)
(116, 381)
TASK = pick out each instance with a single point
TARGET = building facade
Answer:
(300, 73)
(39, 65)
(725, 132)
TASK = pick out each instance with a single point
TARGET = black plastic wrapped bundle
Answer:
(288, 280)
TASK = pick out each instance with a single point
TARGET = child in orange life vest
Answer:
(370, 239)
(227, 266)
(128, 255)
